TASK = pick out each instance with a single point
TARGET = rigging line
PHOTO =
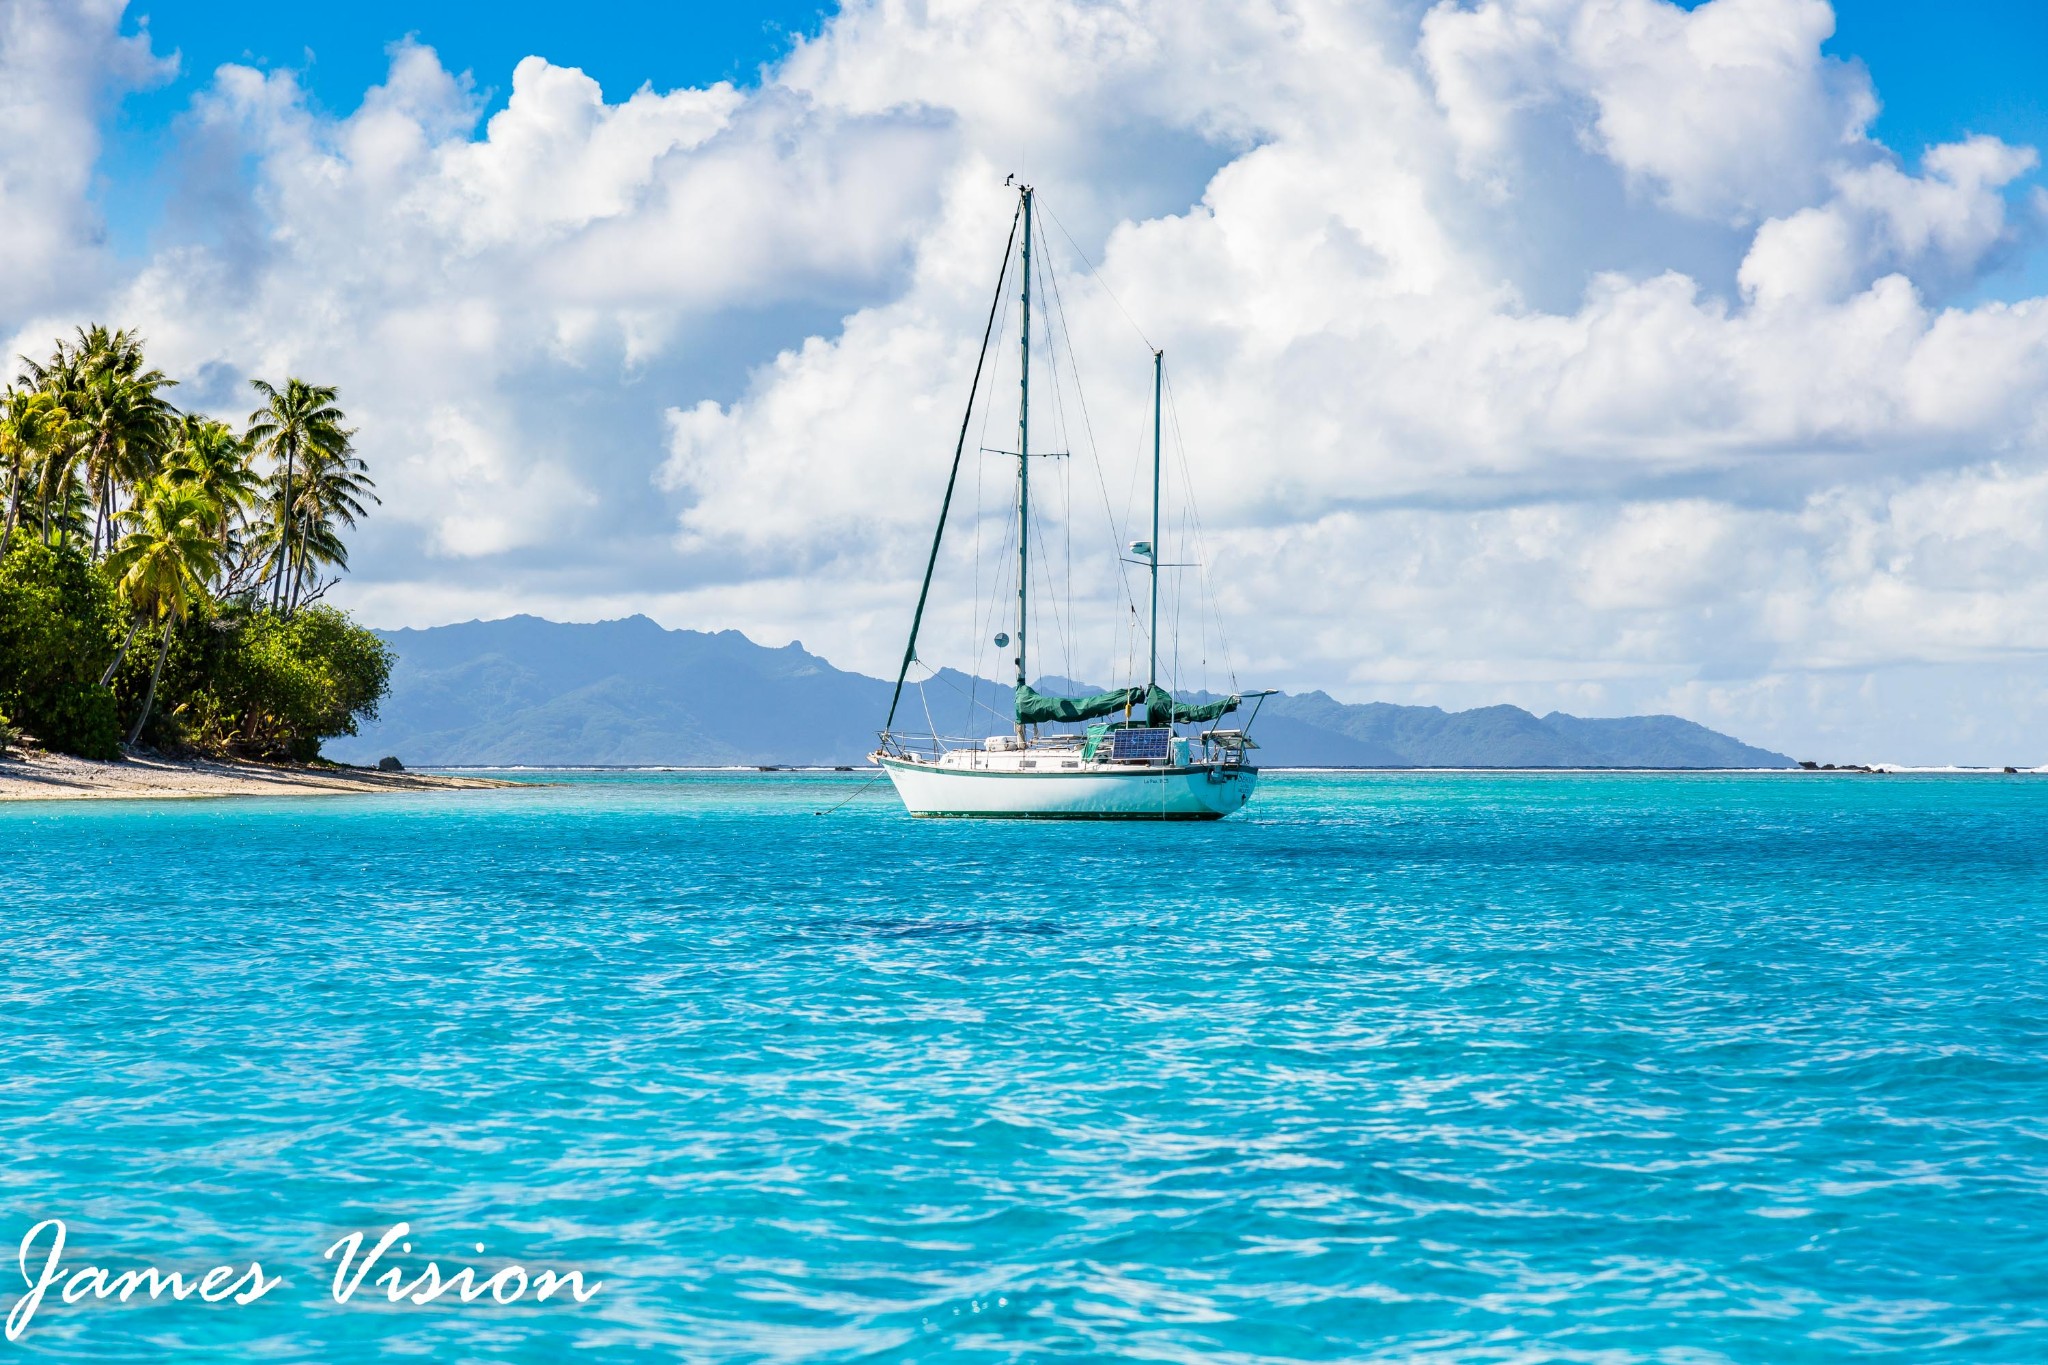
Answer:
(925, 702)
(1096, 275)
(1202, 556)
(996, 605)
(1088, 425)
(938, 534)
(1192, 513)
(1052, 367)
(939, 677)
(1002, 592)
(856, 792)
(1131, 489)
(1202, 623)
(974, 597)
(1059, 626)
(1131, 644)
(1179, 598)
(974, 624)
(1094, 451)
(1052, 362)
(1068, 629)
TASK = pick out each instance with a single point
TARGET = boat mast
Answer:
(931, 562)
(1024, 454)
(1152, 678)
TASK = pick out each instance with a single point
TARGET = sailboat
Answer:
(1132, 761)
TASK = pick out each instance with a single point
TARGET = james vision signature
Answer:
(44, 1273)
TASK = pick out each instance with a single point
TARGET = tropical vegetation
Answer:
(162, 574)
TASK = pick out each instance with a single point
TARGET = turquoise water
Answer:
(1424, 1068)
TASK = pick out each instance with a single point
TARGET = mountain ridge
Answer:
(525, 691)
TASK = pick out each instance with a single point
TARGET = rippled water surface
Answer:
(1424, 1068)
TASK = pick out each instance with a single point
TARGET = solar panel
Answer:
(1152, 744)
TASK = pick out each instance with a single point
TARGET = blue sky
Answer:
(1942, 70)
(621, 42)
(1945, 70)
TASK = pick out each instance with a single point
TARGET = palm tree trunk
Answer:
(13, 510)
(149, 695)
(63, 501)
(122, 653)
(284, 531)
(103, 515)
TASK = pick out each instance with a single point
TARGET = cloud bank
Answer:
(1575, 353)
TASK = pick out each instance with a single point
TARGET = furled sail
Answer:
(1036, 708)
(1162, 709)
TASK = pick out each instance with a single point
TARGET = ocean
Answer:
(1395, 1067)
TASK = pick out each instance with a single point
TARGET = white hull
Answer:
(1098, 792)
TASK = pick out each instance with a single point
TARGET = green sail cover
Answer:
(1036, 708)
(1162, 709)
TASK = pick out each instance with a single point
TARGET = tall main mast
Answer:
(1024, 455)
(1158, 361)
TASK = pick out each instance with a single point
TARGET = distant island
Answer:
(525, 691)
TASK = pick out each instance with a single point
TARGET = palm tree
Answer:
(210, 459)
(293, 424)
(317, 545)
(122, 421)
(33, 428)
(60, 493)
(15, 457)
(127, 422)
(162, 567)
(58, 376)
(52, 381)
(332, 489)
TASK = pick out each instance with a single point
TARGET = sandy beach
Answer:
(38, 776)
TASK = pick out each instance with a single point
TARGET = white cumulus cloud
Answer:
(1586, 353)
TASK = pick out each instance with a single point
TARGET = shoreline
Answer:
(35, 775)
(851, 770)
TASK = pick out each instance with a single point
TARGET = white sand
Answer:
(30, 775)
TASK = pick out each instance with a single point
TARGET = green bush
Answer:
(200, 656)
(59, 626)
(78, 718)
(276, 688)
(237, 680)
